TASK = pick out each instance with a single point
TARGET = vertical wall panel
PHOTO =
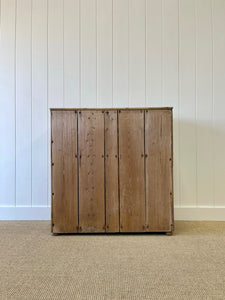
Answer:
(137, 52)
(171, 79)
(55, 66)
(104, 53)
(170, 54)
(187, 49)
(55, 53)
(204, 102)
(218, 97)
(71, 53)
(39, 103)
(23, 103)
(7, 100)
(154, 52)
(88, 53)
(120, 53)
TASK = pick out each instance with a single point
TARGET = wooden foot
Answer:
(169, 233)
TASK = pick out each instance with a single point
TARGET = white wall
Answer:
(112, 53)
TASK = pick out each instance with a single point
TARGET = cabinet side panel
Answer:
(111, 172)
(64, 172)
(158, 143)
(91, 171)
(131, 171)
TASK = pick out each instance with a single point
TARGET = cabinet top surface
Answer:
(118, 108)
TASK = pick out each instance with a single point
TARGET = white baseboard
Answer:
(25, 213)
(204, 213)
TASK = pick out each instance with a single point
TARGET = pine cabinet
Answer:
(112, 170)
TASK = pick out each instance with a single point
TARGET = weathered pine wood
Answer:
(119, 108)
(159, 188)
(131, 171)
(64, 172)
(111, 172)
(91, 171)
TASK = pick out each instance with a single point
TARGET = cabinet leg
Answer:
(169, 233)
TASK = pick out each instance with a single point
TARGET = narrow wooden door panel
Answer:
(64, 172)
(158, 139)
(131, 171)
(111, 172)
(91, 171)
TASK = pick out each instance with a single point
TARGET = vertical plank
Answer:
(131, 171)
(154, 52)
(171, 79)
(120, 53)
(55, 53)
(111, 172)
(137, 52)
(64, 172)
(91, 171)
(104, 53)
(71, 53)
(204, 102)
(218, 99)
(88, 53)
(158, 148)
(39, 103)
(23, 103)
(7, 99)
(187, 89)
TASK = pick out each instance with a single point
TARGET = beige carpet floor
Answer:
(37, 265)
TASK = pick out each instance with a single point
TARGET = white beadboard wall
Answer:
(112, 53)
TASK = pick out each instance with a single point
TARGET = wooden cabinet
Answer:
(112, 170)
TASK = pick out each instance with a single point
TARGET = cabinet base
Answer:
(169, 233)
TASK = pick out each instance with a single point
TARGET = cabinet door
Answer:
(131, 171)
(91, 171)
(158, 143)
(64, 172)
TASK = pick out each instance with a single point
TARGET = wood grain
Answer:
(91, 171)
(159, 189)
(131, 171)
(64, 172)
(111, 172)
